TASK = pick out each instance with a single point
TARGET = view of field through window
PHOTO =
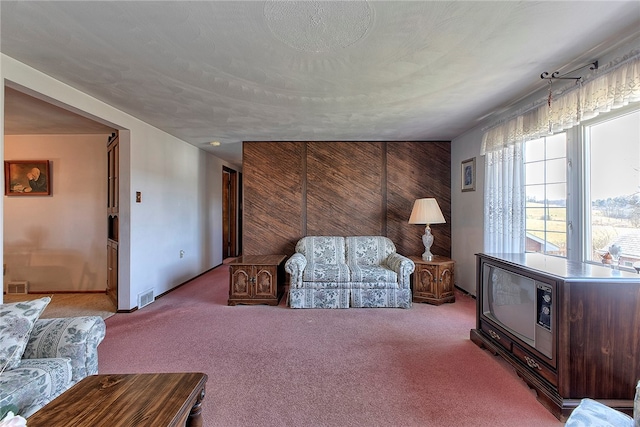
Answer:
(611, 186)
(546, 195)
(614, 184)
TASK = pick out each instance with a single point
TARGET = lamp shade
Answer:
(426, 211)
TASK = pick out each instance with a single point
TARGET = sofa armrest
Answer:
(636, 405)
(295, 265)
(76, 338)
(403, 267)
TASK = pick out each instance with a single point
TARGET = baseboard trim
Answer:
(173, 289)
(65, 292)
(464, 291)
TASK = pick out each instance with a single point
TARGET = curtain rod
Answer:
(611, 66)
(556, 74)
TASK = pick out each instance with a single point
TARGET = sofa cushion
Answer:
(16, 321)
(317, 272)
(34, 383)
(322, 249)
(373, 274)
(368, 250)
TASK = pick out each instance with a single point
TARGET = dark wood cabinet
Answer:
(433, 281)
(113, 165)
(112, 270)
(570, 330)
(256, 279)
(113, 203)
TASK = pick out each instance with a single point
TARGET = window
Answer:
(612, 188)
(599, 198)
(545, 164)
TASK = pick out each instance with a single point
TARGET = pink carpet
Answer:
(276, 366)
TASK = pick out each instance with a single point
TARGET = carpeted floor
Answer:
(70, 304)
(275, 366)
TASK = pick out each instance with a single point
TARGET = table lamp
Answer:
(426, 211)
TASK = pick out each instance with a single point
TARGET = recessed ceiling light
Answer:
(215, 143)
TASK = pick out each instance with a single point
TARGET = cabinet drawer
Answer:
(496, 335)
(536, 365)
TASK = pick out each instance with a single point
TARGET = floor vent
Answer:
(145, 298)
(21, 287)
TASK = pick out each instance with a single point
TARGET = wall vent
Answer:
(145, 298)
(18, 287)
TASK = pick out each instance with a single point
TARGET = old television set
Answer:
(522, 306)
(550, 318)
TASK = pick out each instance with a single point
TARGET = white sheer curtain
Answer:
(615, 85)
(504, 216)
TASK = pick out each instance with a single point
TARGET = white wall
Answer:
(57, 242)
(181, 210)
(180, 184)
(467, 217)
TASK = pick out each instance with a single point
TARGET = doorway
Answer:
(231, 213)
(62, 254)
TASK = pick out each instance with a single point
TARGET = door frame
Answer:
(230, 216)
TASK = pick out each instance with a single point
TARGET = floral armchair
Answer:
(42, 358)
(354, 271)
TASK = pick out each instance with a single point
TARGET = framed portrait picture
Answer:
(468, 177)
(27, 178)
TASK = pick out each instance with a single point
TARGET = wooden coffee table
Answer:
(140, 400)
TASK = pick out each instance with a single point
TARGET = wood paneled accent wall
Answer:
(296, 189)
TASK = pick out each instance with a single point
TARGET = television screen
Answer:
(511, 300)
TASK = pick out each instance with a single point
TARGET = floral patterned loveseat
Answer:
(353, 271)
(56, 354)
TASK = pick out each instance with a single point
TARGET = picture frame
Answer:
(468, 174)
(27, 178)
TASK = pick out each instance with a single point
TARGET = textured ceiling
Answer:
(25, 114)
(269, 70)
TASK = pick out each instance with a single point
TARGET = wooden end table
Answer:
(433, 281)
(141, 400)
(256, 279)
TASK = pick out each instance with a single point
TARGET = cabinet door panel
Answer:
(241, 283)
(446, 278)
(426, 281)
(265, 285)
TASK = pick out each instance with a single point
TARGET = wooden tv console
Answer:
(596, 333)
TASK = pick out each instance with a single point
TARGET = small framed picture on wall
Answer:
(468, 177)
(27, 178)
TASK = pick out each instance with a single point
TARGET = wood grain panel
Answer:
(416, 170)
(171, 400)
(344, 188)
(603, 341)
(295, 189)
(273, 197)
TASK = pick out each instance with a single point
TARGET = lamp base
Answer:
(427, 240)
